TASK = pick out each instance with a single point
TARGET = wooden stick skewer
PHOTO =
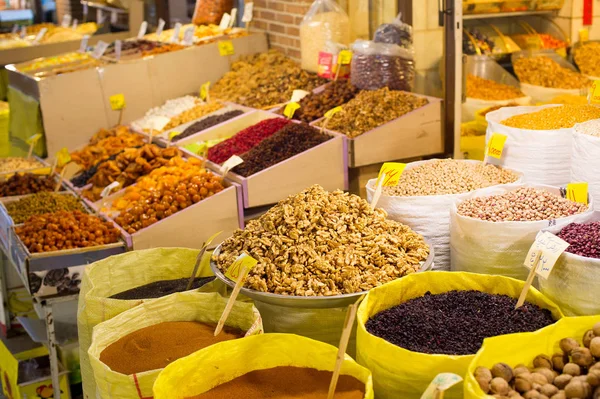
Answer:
(529, 280)
(236, 290)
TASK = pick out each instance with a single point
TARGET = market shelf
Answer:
(507, 14)
(104, 7)
(38, 331)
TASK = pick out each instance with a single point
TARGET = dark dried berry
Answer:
(584, 239)
(206, 123)
(161, 288)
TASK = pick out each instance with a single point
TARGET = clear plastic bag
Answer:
(377, 65)
(211, 11)
(325, 21)
(397, 32)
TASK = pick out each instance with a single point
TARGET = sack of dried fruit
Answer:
(574, 281)
(161, 322)
(443, 317)
(117, 274)
(426, 192)
(585, 155)
(559, 344)
(282, 354)
(492, 230)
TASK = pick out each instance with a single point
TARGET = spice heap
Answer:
(65, 230)
(486, 89)
(584, 239)
(455, 322)
(12, 164)
(26, 183)
(587, 58)
(561, 117)
(543, 71)
(314, 105)
(286, 382)
(264, 80)
(449, 176)
(155, 347)
(591, 127)
(162, 288)
(40, 203)
(371, 109)
(572, 372)
(245, 139)
(128, 167)
(319, 243)
(525, 204)
(293, 139)
(207, 122)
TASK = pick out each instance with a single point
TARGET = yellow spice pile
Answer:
(485, 89)
(564, 116)
(543, 71)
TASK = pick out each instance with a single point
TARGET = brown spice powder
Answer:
(156, 346)
(286, 383)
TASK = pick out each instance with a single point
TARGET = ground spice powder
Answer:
(286, 383)
(156, 346)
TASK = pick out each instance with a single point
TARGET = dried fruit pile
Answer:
(584, 239)
(26, 183)
(40, 203)
(486, 89)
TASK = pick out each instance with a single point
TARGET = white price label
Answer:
(188, 36)
(143, 29)
(106, 192)
(225, 21)
(233, 17)
(551, 247)
(230, 164)
(441, 382)
(84, 43)
(175, 37)
(159, 122)
(161, 26)
(23, 32)
(100, 16)
(99, 49)
(66, 21)
(75, 23)
(40, 35)
(298, 95)
(248, 9)
(114, 17)
(118, 46)
(85, 11)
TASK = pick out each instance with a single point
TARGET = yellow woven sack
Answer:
(400, 373)
(522, 348)
(185, 306)
(120, 273)
(225, 361)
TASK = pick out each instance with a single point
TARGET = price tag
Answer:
(173, 134)
(233, 19)
(66, 21)
(33, 139)
(84, 42)
(578, 192)
(231, 163)
(194, 148)
(143, 29)
(496, 145)
(290, 109)
(118, 49)
(204, 91)
(15, 28)
(226, 47)
(100, 16)
(70, 170)
(224, 21)
(40, 35)
(106, 192)
(329, 114)
(63, 157)
(244, 261)
(584, 35)
(117, 101)
(248, 10)
(114, 17)
(99, 49)
(175, 37)
(344, 57)
(392, 171)
(85, 10)
(533, 41)
(551, 247)
(23, 32)
(298, 95)
(188, 36)
(440, 383)
(161, 26)
(595, 92)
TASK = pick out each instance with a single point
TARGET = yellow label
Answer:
(173, 134)
(117, 102)
(63, 157)
(562, 51)
(226, 47)
(584, 34)
(344, 57)
(244, 261)
(204, 90)
(33, 139)
(393, 171)
(595, 92)
(194, 148)
(496, 145)
(290, 109)
(332, 111)
(578, 192)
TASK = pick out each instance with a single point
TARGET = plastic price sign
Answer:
(392, 172)
(496, 145)
(344, 57)
(117, 102)
(578, 192)
(329, 114)
(244, 261)
(248, 9)
(204, 91)
(226, 47)
(290, 109)
(551, 248)
(63, 157)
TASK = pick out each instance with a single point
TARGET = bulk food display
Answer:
(27, 183)
(206, 123)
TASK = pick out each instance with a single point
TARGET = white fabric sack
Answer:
(428, 215)
(472, 105)
(574, 281)
(585, 161)
(543, 156)
(541, 94)
(497, 248)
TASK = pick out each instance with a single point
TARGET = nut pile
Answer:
(196, 112)
(584, 239)
(293, 139)
(486, 89)
(571, 373)
(40, 203)
(371, 109)
(564, 116)
(455, 322)
(592, 128)
(12, 164)
(525, 204)
(587, 58)
(264, 80)
(207, 122)
(26, 183)
(65, 230)
(449, 176)
(543, 71)
(319, 243)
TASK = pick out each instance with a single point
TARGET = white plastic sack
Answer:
(543, 156)
(574, 281)
(472, 105)
(497, 248)
(585, 161)
(540, 94)
(428, 215)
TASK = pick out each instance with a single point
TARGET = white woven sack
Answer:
(497, 248)
(472, 105)
(541, 94)
(574, 280)
(543, 156)
(428, 215)
(585, 161)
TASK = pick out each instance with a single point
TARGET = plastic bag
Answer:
(400, 373)
(428, 215)
(498, 248)
(514, 349)
(184, 306)
(377, 65)
(397, 32)
(585, 160)
(543, 156)
(211, 11)
(220, 363)
(324, 21)
(574, 281)
(120, 273)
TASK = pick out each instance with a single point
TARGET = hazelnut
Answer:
(539, 378)
(562, 380)
(577, 389)
(595, 346)
(523, 383)
(593, 378)
(548, 390)
(572, 369)
(499, 386)
(542, 361)
(559, 395)
(502, 370)
(596, 329)
(582, 357)
(587, 338)
(568, 344)
(559, 360)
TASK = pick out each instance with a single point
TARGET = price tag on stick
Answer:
(393, 172)
(117, 103)
(143, 29)
(290, 109)
(106, 192)
(199, 259)
(248, 10)
(188, 36)
(160, 27)
(175, 37)
(62, 159)
(328, 115)
(577, 192)
(441, 383)
(231, 163)
(84, 43)
(40, 35)
(118, 46)
(204, 92)
(75, 22)
(233, 19)
(225, 19)
(378, 190)
(298, 95)
(32, 141)
(99, 49)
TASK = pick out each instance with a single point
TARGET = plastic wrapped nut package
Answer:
(377, 65)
